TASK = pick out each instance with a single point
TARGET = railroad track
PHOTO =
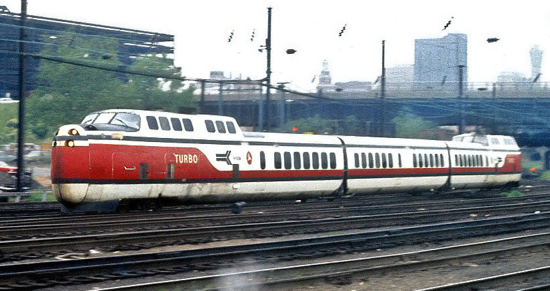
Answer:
(82, 225)
(344, 272)
(70, 272)
(49, 246)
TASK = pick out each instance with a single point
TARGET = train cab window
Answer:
(297, 161)
(220, 126)
(176, 124)
(384, 161)
(324, 161)
(307, 162)
(332, 160)
(144, 171)
(495, 141)
(288, 161)
(277, 160)
(262, 160)
(187, 124)
(231, 127)
(390, 160)
(356, 156)
(210, 126)
(371, 161)
(363, 160)
(315, 160)
(170, 171)
(415, 162)
(152, 122)
(164, 123)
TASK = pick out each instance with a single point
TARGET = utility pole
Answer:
(268, 72)
(462, 124)
(383, 92)
(21, 125)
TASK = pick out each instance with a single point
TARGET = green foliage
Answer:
(315, 125)
(67, 92)
(409, 125)
(512, 194)
(8, 115)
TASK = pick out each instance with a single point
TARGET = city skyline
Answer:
(313, 29)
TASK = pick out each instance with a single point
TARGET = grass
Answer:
(512, 194)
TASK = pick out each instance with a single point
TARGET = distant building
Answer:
(536, 61)
(325, 80)
(131, 43)
(400, 78)
(437, 61)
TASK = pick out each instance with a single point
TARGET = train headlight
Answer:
(73, 131)
(70, 143)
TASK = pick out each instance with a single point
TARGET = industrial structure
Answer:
(131, 43)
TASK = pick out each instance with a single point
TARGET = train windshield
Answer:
(120, 121)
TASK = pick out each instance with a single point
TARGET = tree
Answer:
(409, 125)
(67, 92)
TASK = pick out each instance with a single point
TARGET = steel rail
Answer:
(310, 247)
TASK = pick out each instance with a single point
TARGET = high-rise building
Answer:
(437, 62)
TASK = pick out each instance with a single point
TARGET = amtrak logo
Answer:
(224, 157)
(249, 158)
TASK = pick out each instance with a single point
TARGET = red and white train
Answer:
(116, 158)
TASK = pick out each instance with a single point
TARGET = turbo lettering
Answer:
(186, 159)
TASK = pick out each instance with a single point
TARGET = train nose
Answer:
(70, 169)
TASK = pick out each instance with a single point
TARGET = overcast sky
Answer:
(202, 28)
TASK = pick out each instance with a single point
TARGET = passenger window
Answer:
(371, 161)
(324, 161)
(152, 122)
(307, 163)
(187, 124)
(164, 123)
(262, 160)
(426, 161)
(436, 160)
(220, 126)
(420, 161)
(332, 160)
(456, 160)
(210, 126)
(384, 161)
(363, 160)
(390, 160)
(356, 155)
(277, 160)
(442, 160)
(315, 160)
(399, 159)
(431, 160)
(297, 161)
(415, 163)
(176, 124)
(231, 127)
(377, 160)
(288, 161)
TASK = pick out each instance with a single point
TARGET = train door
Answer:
(131, 166)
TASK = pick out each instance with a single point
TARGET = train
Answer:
(120, 159)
